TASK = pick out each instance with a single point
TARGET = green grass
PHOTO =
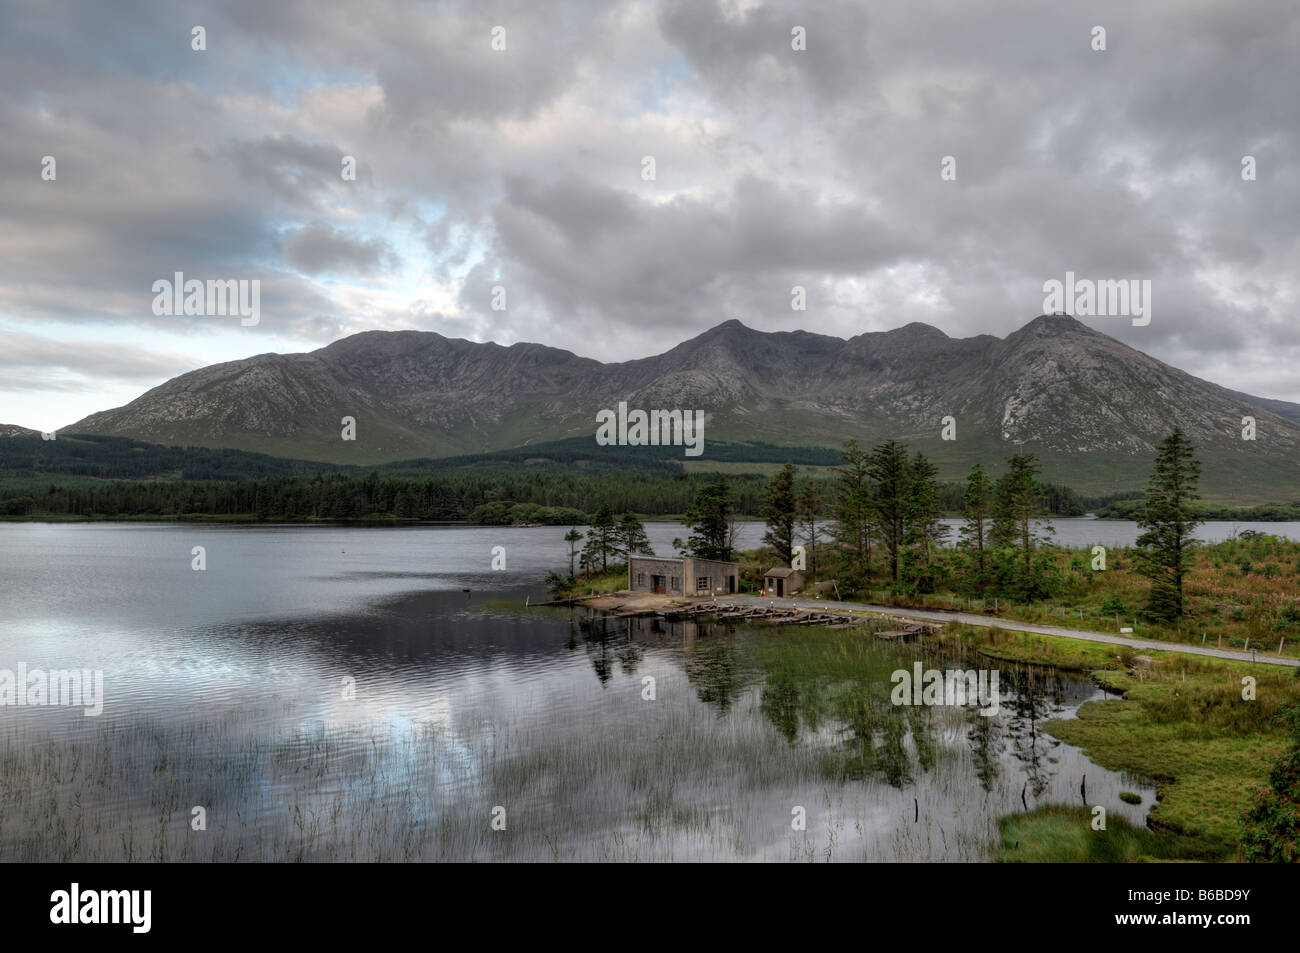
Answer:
(1239, 593)
(1181, 720)
(1057, 834)
(1033, 649)
(601, 583)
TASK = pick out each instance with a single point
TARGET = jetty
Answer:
(778, 615)
(628, 605)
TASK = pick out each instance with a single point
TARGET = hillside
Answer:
(1091, 407)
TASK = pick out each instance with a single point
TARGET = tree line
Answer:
(879, 520)
(504, 496)
(481, 495)
(884, 525)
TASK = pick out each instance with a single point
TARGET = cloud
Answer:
(318, 247)
(774, 168)
(29, 361)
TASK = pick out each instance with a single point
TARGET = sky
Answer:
(524, 169)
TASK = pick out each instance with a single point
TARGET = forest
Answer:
(496, 497)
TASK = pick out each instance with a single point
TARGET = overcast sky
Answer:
(523, 168)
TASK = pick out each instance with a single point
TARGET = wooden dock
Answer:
(688, 610)
(782, 615)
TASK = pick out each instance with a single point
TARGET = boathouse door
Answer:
(657, 583)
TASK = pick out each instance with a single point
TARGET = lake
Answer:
(349, 693)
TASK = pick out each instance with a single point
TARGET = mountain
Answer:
(1090, 407)
(1283, 408)
(13, 430)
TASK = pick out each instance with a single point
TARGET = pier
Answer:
(772, 613)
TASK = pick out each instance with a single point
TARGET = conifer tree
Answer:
(809, 508)
(1021, 566)
(853, 527)
(1165, 550)
(977, 506)
(631, 537)
(709, 520)
(924, 532)
(572, 537)
(602, 540)
(779, 508)
(891, 473)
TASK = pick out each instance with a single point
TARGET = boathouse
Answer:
(687, 576)
(782, 581)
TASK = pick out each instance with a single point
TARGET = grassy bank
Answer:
(1240, 594)
(595, 584)
(1059, 834)
(1181, 720)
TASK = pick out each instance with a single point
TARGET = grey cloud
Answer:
(585, 252)
(297, 172)
(735, 49)
(27, 360)
(776, 168)
(318, 247)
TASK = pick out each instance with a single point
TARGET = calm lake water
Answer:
(328, 693)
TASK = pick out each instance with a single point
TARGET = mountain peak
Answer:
(731, 326)
(1055, 386)
(1054, 324)
(918, 330)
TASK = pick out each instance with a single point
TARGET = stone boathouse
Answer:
(687, 576)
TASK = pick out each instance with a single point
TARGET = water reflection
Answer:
(462, 705)
(873, 736)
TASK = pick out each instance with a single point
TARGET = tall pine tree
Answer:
(602, 540)
(709, 520)
(809, 506)
(924, 532)
(853, 526)
(1165, 550)
(891, 473)
(779, 508)
(1021, 567)
(631, 537)
(976, 508)
(572, 537)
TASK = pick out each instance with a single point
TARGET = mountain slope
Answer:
(13, 430)
(1091, 407)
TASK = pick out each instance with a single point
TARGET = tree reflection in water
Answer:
(846, 712)
(1038, 695)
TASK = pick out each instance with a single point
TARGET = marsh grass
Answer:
(1239, 592)
(1059, 834)
(1180, 719)
(748, 726)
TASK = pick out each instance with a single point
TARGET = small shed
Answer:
(782, 581)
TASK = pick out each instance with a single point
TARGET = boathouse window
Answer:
(640, 580)
(701, 583)
(676, 583)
